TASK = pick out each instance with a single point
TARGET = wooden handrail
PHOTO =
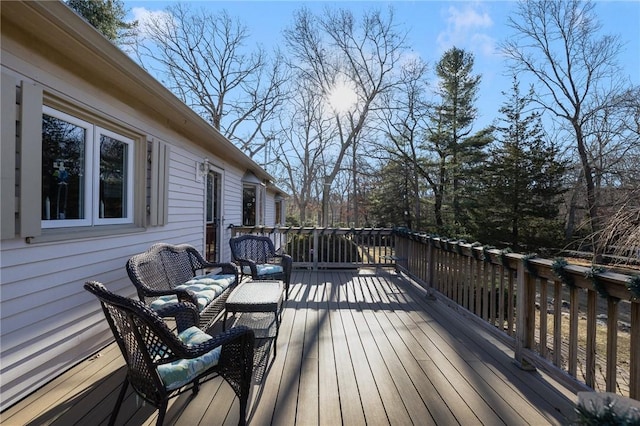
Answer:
(569, 319)
(556, 320)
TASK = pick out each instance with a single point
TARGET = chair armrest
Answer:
(240, 335)
(185, 314)
(226, 268)
(283, 259)
(182, 295)
(250, 263)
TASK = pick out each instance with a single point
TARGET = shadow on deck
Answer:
(355, 347)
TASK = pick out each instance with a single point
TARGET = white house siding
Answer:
(232, 208)
(48, 321)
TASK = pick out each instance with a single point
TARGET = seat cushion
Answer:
(179, 373)
(264, 269)
(205, 287)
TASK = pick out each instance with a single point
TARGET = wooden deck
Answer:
(355, 347)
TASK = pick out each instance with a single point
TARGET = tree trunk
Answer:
(326, 191)
(592, 204)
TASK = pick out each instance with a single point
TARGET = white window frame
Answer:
(92, 179)
(128, 218)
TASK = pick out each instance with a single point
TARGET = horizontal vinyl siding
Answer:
(45, 311)
(186, 198)
(48, 321)
(232, 205)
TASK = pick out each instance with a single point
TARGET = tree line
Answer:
(557, 168)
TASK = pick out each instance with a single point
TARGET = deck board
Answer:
(355, 347)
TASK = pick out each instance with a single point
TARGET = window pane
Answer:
(210, 197)
(63, 169)
(279, 213)
(249, 205)
(113, 178)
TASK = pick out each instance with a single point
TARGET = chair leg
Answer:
(116, 409)
(161, 412)
(246, 376)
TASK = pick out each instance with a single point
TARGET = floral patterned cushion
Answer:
(264, 269)
(178, 373)
(206, 288)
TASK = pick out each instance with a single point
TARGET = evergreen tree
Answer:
(394, 201)
(459, 152)
(108, 17)
(522, 181)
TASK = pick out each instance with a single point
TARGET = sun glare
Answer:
(342, 97)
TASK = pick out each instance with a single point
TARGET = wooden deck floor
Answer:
(355, 347)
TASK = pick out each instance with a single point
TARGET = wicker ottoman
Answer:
(253, 299)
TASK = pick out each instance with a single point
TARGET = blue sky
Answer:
(434, 27)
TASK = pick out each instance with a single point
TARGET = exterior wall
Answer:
(232, 208)
(48, 321)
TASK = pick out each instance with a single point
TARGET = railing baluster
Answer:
(543, 319)
(501, 312)
(557, 324)
(612, 343)
(573, 331)
(492, 294)
(634, 358)
(590, 366)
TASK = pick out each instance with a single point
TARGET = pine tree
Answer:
(523, 180)
(394, 201)
(459, 152)
(108, 17)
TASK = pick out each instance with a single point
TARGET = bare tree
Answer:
(334, 49)
(306, 130)
(204, 58)
(404, 122)
(559, 43)
(621, 231)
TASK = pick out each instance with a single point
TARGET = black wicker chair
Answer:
(255, 254)
(148, 345)
(159, 270)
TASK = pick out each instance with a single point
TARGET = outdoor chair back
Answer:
(155, 356)
(166, 273)
(257, 257)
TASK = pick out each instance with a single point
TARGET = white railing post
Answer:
(523, 337)
(314, 252)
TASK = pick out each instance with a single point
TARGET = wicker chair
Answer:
(256, 256)
(149, 349)
(158, 271)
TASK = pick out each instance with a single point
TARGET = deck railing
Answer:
(579, 321)
(330, 247)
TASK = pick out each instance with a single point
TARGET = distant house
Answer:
(99, 161)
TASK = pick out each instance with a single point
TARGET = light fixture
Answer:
(202, 169)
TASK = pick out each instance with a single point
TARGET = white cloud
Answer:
(467, 27)
(145, 17)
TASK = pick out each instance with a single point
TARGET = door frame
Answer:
(213, 228)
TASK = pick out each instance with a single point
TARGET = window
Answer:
(249, 198)
(278, 207)
(87, 173)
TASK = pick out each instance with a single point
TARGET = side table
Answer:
(254, 297)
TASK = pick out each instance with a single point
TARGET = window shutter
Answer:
(8, 157)
(30, 160)
(158, 208)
